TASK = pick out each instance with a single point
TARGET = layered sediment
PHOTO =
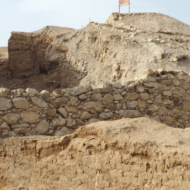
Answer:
(125, 154)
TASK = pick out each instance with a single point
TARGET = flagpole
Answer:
(129, 6)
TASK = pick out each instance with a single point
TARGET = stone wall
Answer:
(164, 96)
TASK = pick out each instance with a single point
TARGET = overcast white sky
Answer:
(31, 15)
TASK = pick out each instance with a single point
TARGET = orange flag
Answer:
(121, 2)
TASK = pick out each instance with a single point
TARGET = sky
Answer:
(32, 15)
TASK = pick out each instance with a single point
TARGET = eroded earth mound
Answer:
(124, 48)
(115, 155)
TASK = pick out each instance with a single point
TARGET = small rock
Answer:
(93, 120)
(108, 98)
(32, 92)
(71, 109)
(96, 97)
(23, 131)
(80, 90)
(11, 118)
(104, 115)
(117, 85)
(140, 88)
(163, 110)
(50, 112)
(59, 101)
(45, 93)
(176, 82)
(83, 97)
(18, 92)
(71, 122)
(132, 104)
(4, 92)
(63, 112)
(131, 114)
(158, 99)
(132, 96)
(153, 108)
(141, 103)
(57, 93)
(167, 93)
(168, 120)
(29, 116)
(63, 131)
(20, 103)
(117, 97)
(73, 100)
(5, 104)
(186, 106)
(4, 126)
(85, 115)
(150, 40)
(39, 102)
(94, 106)
(144, 96)
(42, 127)
(58, 122)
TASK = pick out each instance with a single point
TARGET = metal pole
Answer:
(119, 6)
(129, 7)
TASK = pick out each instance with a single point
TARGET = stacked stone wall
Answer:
(164, 96)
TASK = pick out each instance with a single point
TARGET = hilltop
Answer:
(125, 48)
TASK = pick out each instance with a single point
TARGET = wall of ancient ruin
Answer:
(164, 96)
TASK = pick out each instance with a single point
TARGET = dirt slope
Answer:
(152, 22)
(120, 50)
(125, 154)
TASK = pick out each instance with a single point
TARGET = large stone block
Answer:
(85, 115)
(4, 92)
(63, 131)
(71, 122)
(63, 112)
(132, 96)
(42, 127)
(11, 118)
(29, 116)
(71, 109)
(94, 106)
(131, 114)
(5, 104)
(58, 122)
(186, 106)
(20, 103)
(104, 115)
(50, 112)
(59, 101)
(39, 102)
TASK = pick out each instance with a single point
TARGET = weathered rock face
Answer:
(35, 54)
(96, 54)
(124, 154)
(3, 58)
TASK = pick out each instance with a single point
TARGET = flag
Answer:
(121, 2)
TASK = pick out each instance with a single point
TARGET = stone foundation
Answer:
(163, 96)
